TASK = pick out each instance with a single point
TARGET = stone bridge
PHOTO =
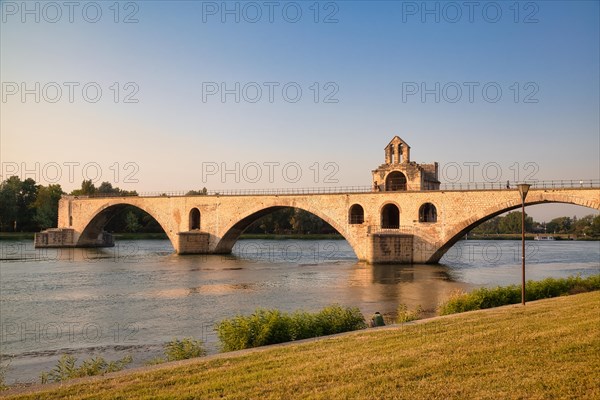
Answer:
(381, 226)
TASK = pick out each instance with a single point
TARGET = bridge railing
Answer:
(245, 192)
(392, 230)
(554, 184)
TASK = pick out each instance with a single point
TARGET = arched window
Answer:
(194, 219)
(357, 214)
(395, 181)
(427, 213)
(390, 217)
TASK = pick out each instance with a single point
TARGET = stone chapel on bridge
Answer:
(400, 174)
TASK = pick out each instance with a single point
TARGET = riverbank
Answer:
(528, 236)
(547, 349)
(123, 236)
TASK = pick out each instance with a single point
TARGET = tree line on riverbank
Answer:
(588, 226)
(29, 207)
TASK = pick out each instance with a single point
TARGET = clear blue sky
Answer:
(369, 56)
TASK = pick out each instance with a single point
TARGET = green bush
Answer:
(183, 349)
(3, 369)
(404, 315)
(336, 319)
(265, 327)
(66, 368)
(503, 295)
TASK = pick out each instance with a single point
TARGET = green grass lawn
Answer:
(549, 349)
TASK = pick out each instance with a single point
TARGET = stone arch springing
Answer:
(356, 214)
(390, 216)
(395, 181)
(427, 213)
(194, 220)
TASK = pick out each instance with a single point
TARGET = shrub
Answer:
(534, 290)
(66, 368)
(403, 315)
(3, 369)
(336, 319)
(184, 349)
(265, 327)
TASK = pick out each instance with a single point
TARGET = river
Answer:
(133, 298)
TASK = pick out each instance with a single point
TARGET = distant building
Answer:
(399, 173)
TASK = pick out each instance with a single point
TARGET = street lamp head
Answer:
(523, 189)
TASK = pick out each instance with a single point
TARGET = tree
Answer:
(202, 192)
(559, 225)
(107, 188)
(511, 223)
(87, 189)
(9, 192)
(585, 226)
(488, 227)
(46, 206)
(131, 222)
(26, 199)
(16, 210)
(595, 228)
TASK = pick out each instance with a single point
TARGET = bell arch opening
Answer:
(356, 214)
(390, 217)
(395, 181)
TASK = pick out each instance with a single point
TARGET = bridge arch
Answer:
(103, 214)
(233, 231)
(462, 228)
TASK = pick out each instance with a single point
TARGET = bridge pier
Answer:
(389, 248)
(193, 242)
(66, 237)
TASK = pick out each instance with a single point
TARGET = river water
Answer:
(133, 298)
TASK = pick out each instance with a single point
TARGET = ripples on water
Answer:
(134, 297)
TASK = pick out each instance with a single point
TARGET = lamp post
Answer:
(523, 189)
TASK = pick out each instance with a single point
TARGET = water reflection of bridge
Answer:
(415, 285)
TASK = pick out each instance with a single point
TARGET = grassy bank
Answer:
(547, 349)
(16, 235)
